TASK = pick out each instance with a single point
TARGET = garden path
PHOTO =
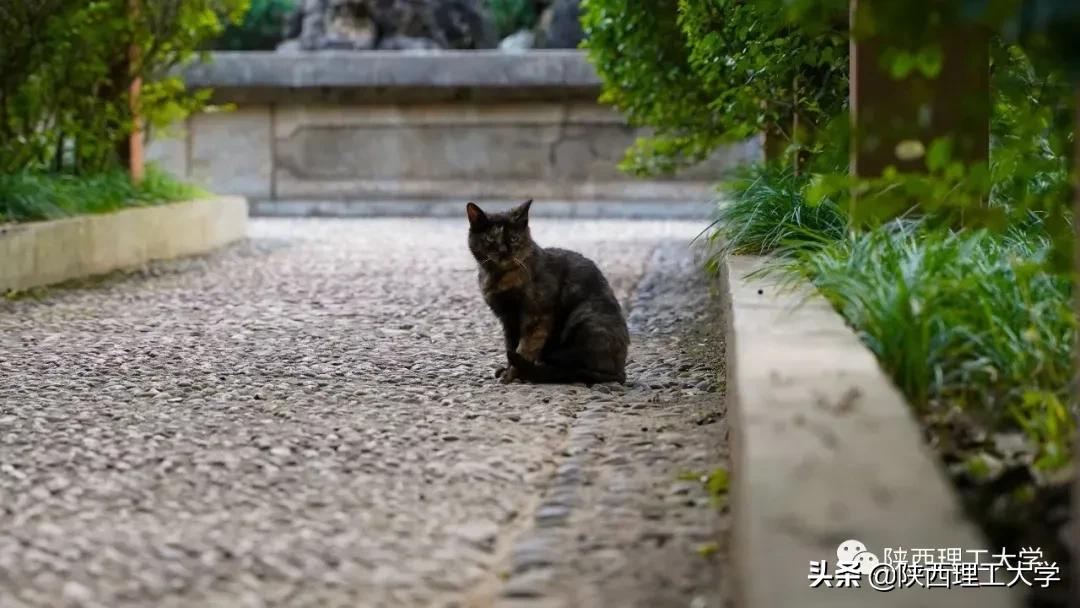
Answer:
(310, 419)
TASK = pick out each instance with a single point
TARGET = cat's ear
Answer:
(521, 212)
(475, 213)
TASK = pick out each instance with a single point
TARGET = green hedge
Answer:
(704, 73)
(65, 74)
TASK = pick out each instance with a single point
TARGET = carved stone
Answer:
(391, 24)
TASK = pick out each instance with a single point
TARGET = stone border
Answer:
(342, 133)
(455, 209)
(443, 68)
(36, 254)
(825, 449)
(400, 77)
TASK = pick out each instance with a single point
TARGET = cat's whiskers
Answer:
(528, 273)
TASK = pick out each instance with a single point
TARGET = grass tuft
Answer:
(971, 318)
(29, 197)
(763, 209)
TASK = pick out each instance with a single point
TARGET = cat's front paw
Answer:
(508, 375)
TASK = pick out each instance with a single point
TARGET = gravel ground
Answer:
(310, 419)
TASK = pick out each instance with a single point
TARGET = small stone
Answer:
(480, 533)
(77, 592)
(534, 552)
(681, 488)
(518, 41)
(534, 583)
(551, 514)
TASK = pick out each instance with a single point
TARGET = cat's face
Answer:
(500, 239)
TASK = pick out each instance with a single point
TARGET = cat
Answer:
(561, 321)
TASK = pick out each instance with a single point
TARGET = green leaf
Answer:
(939, 154)
(717, 483)
(929, 60)
(900, 64)
(708, 549)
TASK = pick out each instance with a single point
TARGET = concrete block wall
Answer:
(327, 132)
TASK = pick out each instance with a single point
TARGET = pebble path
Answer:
(310, 418)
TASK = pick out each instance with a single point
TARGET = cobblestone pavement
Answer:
(310, 419)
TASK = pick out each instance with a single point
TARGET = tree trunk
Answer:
(114, 89)
(136, 163)
(58, 154)
(890, 116)
(775, 143)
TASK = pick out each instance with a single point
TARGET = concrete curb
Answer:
(650, 210)
(44, 253)
(825, 449)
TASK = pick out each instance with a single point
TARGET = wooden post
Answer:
(886, 111)
(136, 162)
(775, 143)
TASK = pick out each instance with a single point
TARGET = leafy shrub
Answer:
(1031, 147)
(642, 57)
(704, 73)
(27, 196)
(766, 73)
(66, 72)
(262, 29)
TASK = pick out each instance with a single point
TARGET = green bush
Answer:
(27, 196)
(704, 73)
(1031, 145)
(639, 51)
(262, 29)
(66, 72)
(512, 15)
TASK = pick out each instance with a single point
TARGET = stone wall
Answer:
(340, 132)
(36, 254)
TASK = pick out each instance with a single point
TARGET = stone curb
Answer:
(825, 449)
(36, 254)
(428, 69)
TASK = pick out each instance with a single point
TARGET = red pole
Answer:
(136, 163)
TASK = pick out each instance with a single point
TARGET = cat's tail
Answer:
(543, 373)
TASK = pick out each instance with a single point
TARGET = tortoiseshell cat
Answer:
(561, 321)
